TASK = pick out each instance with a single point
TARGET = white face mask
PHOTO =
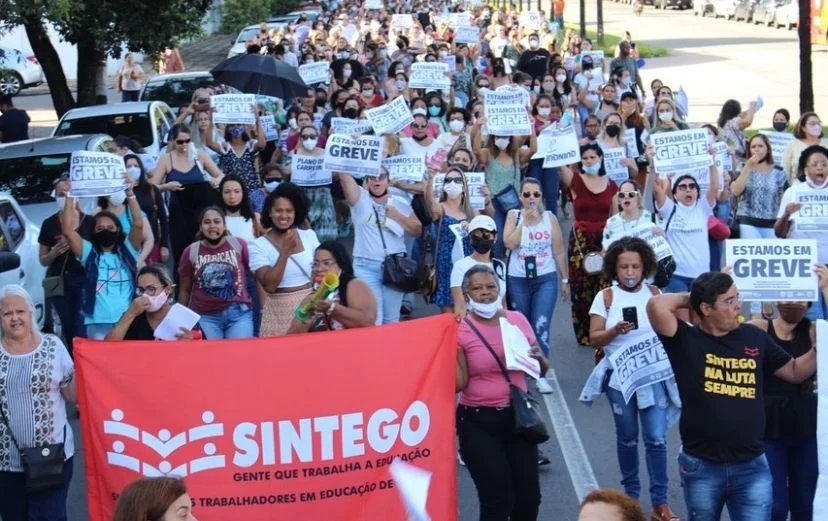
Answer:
(156, 302)
(443, 54)
(400, 84)
(502, 143)
(60, 202)
(560, 78)
(456, 125)
(134, 172)
(484, 310)
(453, 190)
(346, 73)
(292, 123)
(544, 111)
(814, 130)
(117, 198)
(533, 44)
(368, 92)
(419, 111)
(271, 186)
(310, 144)
(665, 116)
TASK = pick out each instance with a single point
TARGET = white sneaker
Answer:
(543, 386)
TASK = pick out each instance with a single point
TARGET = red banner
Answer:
(290, 428)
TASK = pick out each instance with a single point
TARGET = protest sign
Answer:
(821, 496)
(374, 5)
(437, 159)
(95, 174)
(597, 60)
(429, 76)
(461, 19)
(631, 142)
(516, 350)
(323, 454)
(437, 184)
(773, 269)
(390, 118)
(475, 182)
(616, 170)
(563, 147)
(317, 121)
(450, 61)
(723, 161)
(681, 150)
(350, 126)
(531, 20)
(657, 241)
(402, 21)
(271, 131)
(813, 215)
(308, 171)
(779, 142)
(509, 95)
(358, 156)
(408, 168)
(316, 72)
(466, 34)
(508, 120)
(641, 362)
(233, 108)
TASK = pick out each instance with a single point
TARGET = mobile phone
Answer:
(630, 315)
(531, 265)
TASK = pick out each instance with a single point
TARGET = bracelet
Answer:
(131, 197)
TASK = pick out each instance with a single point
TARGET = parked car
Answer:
(681, 4)
(743, 10)
(764, 12)
(787, 14)
(248, 33)
(148, 122)
(311, 13)
(724, 8)
(702, 7)
(18, 71)
(175, 89)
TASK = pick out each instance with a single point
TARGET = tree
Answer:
(806, 77)
(238, 14)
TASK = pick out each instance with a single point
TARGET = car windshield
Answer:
(136, 126)
(247, 34)
(29, 179)
(176, 92)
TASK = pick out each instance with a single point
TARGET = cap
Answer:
(629, 95)
(482, 222)
(586, 60)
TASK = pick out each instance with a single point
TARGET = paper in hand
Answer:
(177, 317)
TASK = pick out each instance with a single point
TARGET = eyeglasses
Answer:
(450, 180)
(381, 177)
(183, 141)
(687, 186)
(592, 125)
(420, 126)
(817, 164)
(627, 195)
(309, 136)
(527, 195)
(150, 291)
(325, 264)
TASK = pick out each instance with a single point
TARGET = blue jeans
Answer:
(388, 298)
(793, 465)
(550, 181)
(536, 299)
(130, 95)
(745, 488)
(747, 231)
(256, 305)
(654, 432)
(98, 331)
(69, 308)
(678, 284)
(234, 322)
(16, 505)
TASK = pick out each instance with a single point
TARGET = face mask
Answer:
(780, 126)
(814, 130)
(320, 102)
(368, 92)
(665, 116)
(434, 111)
(369, 55)
(134, 172)
(484, 310)
(453, 190)
(214, 242)
(612, 130)
(383, 53)
(236, 131)
(544, 111)
(60, 202)
(456, 125)
(548, 86)
(814, 185)
(271, 186)
(443, 54)
(588, 74)
(625, 81)
(482, 246)
(536, 89)
(400, 84)
(483, 91)
(309, 144)
(346, 73)
(791, 313)
(350, 113)
(527, 88)
(591, 170)
(419, 111)
(157, 302)
(106, 238)
(415, 137)
(560, 78)
(293, 124)
(117, 198)
(502, 143)
(533, 44)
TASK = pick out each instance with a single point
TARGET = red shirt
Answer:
(591, 209)
(219, 277)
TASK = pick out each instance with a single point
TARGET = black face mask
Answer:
(106, 238)
(321, 102)
(350, 113)
(419, 138)
(233, 207)
(213, 242)
(779, 126)
(482, 246)
(378, 196)
(592, 135)
(613, 130)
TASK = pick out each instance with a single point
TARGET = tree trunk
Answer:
(50, 63)
(89, 59)
(600, 16)
(806, 79)
(582, 7)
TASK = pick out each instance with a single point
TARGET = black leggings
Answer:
(503, 466)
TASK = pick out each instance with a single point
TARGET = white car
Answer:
(247, 34)
(787, 15)
(18, 71)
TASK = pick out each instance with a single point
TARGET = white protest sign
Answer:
(509, 95)
(316, 72)
(773, 269)
(702, 177)
(233, 108)
(461, 19)
(412, 483)
(813, 215)
(350, 126)
(271, 131)
(402, 21)
(96, 174)
(437, 184)
(375, 5)
(821, 496)
(779, 142)
(308, 171)
(641, 362)
(358, 156)
(597, 60)
(531, 20)
(451, 62)
(317, 121)
(657, 241)
(616, 170)
(563, 148)
(407, 168)
(516, 350)
(681, 150)
(631, 142)
(475, 182)
(429, 76)
(508, 120)
(390, 118)
(467, 34)
(723, 161)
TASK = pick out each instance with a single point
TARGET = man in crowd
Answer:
(14, 122)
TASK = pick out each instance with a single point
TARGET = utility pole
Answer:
(806, 77)
(600, 16)
(582, 5)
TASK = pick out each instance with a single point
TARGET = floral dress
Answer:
(243, 166)
(442, 297)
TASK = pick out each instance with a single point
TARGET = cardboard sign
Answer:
(271, 131)
(597, 60)
(467, 34)
(813, 216)
(390, 118)
(402, 21)
(531, 20)
(408, 168)
(429, 76)
(681, 150)
(779, 142)
(509, 95)
(632, 143)
(308, 171)
(350, 126)
(723, 161)
(316, 72)
(773, 269)
(657, 241)
(361, 156)
(508, 120)
(616, 170)
(95, 174)
(641, 362)
(233, 108)
(516, 350)
(563, 148)
(475, 182)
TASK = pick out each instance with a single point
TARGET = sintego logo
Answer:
(284, 442)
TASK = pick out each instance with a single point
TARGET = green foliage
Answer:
(611, 40)
(238, 14)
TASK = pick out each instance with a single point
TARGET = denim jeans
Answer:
(130, 95)
(654, 432)
(388, 298)
(747, 231)
(745, 487)
(536, 299)
(234, 322)
(252, 290)
(678, 284)
(98, 331)
(69, 308)
(793, 465)
(16, 505)
(550, 181)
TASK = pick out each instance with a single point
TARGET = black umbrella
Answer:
(259, 74)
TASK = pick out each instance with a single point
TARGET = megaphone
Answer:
(330, 283)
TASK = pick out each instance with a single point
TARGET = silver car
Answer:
(18, 71)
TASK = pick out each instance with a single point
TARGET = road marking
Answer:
(575, 457)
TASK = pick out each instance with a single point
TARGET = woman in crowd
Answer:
(38, 379)
(271, 178)
(213, 279)
(482, 235)
(502, 464)
(628, 263)
(240, 152)
(781, 120)
(812, 175)
(153, 300)
(458, 119)
(732, 123)
(546, 112)
(758, 190)
(612, 136)
(281, 258)
(129, 78)
(536, 256)
(634, 119)
(437, 109)
(152, 205)
(350, 305)
(608, 103)
(304, 119)
(380, 228)
(109, 259)
(560, 90)
(666, 117)
(115, 204)
(629, 216)
(321, 212)
(607, 504)
(207, 137)
(807, 132)
(592, 196)
(160, 499)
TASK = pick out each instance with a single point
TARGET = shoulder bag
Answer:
(528, 423)
(42, 465)
(290, 257)
(667, 265)
(592, 262)
(429, 271)
(54, 286)
(398, 271)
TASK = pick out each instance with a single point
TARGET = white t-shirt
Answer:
(687, 235)
(458, 271)
(367, 241)
(409, 146)
(263, 253)
(239, 227)
(821, 236)
(535, 240)
(447, 140)
(624, 299)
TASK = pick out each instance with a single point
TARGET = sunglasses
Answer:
(687, 186)
(183, 141)
(457, 180)
(627, 195)
(308, 136)
(419, 126)
(527, 195)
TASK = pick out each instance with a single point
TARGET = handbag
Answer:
(398, 271)
(592, 262)
(528, 423)
(717, 229)
(42, 465)
(54, 286)
(428, 272)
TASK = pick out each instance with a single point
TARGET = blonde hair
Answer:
(467, 209)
